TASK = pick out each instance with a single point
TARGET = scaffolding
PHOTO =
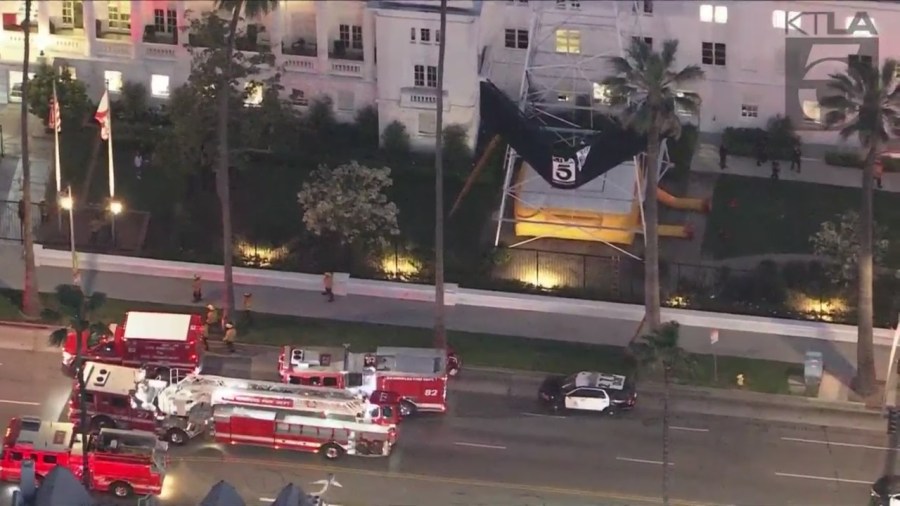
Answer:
(569, 45)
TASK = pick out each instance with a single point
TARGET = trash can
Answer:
(812, 368)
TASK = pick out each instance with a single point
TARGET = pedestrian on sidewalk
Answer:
(22, 220)
(45, 212)
(776, 170)
(761, 148)
(230, 337)
(878, 171)
(212, 317)
(138, 165)
(248, 309)
(796, 156)
(328, 285)
(197, 286)
(723, 156)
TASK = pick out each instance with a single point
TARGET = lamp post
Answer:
(67, 202)
(115, 209)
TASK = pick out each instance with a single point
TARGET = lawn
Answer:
(754, 216)
(476, 349)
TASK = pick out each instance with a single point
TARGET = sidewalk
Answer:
(814, 170)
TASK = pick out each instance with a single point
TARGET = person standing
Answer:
(796, 156)
(138, 165)
(328, 285)
(723, 156)
(230, 337)
(212, 317)
(248, 309)
(22, 220)
(761, 146)
(776, 170)
(197, 286)
(878, 170)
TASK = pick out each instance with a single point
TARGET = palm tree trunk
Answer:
(223, 187)
(665, 436)
(651, 230)
(865, 359)
(440, 309)
(30, 297)
(82, 393)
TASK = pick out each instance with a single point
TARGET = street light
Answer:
(115, 209)
(67, 202)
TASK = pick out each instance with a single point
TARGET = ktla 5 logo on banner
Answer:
(815, 48)
(566, 170)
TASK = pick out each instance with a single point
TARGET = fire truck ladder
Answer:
(267, 387)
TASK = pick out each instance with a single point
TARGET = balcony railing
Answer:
(104, 31)
(152, 36)
(300, 47)
(340, 51)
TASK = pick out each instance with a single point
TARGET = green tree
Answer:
(457, 154)
(74, 103)
(78, 309)
(367, 127)
(440, 309)
(31, 302)
(660, 350)
(395, 140)
(839, 240)
(864, 102)
(250, 9)
(645, 88)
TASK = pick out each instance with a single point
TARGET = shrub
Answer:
(843, 159)
(395, 140)
(320, 115)
(681, 151)
(367, 127)
(457, 154)
(780, 138)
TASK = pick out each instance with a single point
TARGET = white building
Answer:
(384, 52)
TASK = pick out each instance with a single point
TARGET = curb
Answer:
(25, 325)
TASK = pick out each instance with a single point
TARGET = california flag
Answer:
(102, 116)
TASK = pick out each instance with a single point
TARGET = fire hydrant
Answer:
(740, 380)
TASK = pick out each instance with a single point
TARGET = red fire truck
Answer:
(417, 376)
(158, 340)
(119, 462)
(329, 421)
(109, 398)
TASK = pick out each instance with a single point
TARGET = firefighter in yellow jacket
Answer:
(230, 336)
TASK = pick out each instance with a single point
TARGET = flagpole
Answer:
(109, 144)
(56, 125)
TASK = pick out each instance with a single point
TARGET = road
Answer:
(497, 450)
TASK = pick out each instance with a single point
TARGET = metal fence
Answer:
(11, 223)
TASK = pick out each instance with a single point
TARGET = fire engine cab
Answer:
(417, 376)
(119, 462)
(329, 421)
(157, 340)
(109, 390)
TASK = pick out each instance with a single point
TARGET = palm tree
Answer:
(646, 88)
(440, 309)
(251, 9)
(864, 102)
(660, 350)
(78, 308)
(31, 303)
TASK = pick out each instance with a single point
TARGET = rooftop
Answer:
(43, 435)
(159, 326)
(111, 379)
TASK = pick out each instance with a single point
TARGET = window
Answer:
(356, 37)
(68, 12)
(68, 69)
(345, 102)
(254, 94)
(412, 34)
(159, 85)
(749, 111)
(113, 80)
(344, 35)
(855, 59)
(17, 455)
(647, 40)
(119, 15)
(119, 402)
(427, 123)
(601, 93)
(437, 36)
(425, 35)
(88, 398)
(713, 53)
(419, 75)
(812, 110)
(568, 41)
(49, 459)
(164, 20)
(331, 382)
(785, 19)
(298, 97)
(431, 77)
(516, 39)
(713, 14)
(648, 6)
(572, 4)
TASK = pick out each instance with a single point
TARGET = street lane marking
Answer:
(20, 403)
(643, 461)
(688, 429)
(823, 478)
(541, 415)
(635, 500)
(479, 445)
(833, 443)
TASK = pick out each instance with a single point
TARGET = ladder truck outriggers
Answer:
(327, 421)
(416, 376)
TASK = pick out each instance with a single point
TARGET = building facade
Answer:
(384, 53)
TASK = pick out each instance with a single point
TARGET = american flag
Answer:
(55, 122)
(102, 116)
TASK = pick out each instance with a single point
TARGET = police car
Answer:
(588, 391)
